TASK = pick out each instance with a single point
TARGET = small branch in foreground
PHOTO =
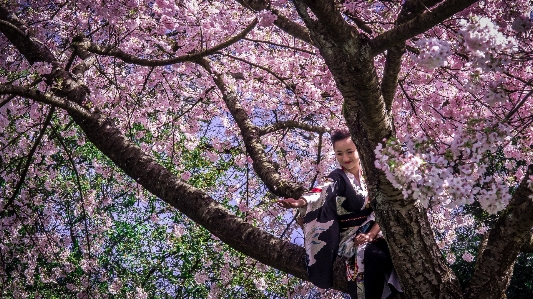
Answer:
(518, 106)
(318, 158)
(359, 22)
(262, 165)
(280, 45)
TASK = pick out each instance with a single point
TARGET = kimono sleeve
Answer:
(314, 198)
(321, 229)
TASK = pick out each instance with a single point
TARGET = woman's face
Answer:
(346, 153)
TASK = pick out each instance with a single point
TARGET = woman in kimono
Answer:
(338, 220)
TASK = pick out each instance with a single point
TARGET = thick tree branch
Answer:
(32, 49)
(15, 29)
(345, 53)
(264, 168)
(193, 202)
(292, 28)
(282, 22)
(360, 23)
(512, 231)
(330, 17)
(290, 124)
(393, 65)
(416, 256)
(129, 58)
(418, 25)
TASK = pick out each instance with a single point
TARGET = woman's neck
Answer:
(355, 171)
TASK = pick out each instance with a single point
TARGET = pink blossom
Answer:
(213, 157)
(260, 284)
(200, 278)
(266, 18)
(185, 175)
(115, 286)
(140, 293)
(178, 230)
(468, 257)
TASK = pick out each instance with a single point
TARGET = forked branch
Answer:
(262, 165)
(418, 25)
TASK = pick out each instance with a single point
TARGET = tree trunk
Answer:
(416, 257)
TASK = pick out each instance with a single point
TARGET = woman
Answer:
(338, 220)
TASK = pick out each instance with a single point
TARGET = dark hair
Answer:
(339, 134)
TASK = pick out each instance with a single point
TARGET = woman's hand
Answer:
(290, 203)
(363, 238)
(368, 237)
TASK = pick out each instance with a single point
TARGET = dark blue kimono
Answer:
(335, 211)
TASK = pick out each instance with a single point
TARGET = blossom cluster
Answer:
(485, 43)
(459, 175)
(266, 18)
(433, 52)
(72, 203)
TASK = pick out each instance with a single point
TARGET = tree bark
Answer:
(418, 25)
(512, 231)
(528, 246)
(294, 29)
(251, 134)
(194, 203)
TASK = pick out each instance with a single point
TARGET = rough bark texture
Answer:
(294, 29)
(389, 83)
(393, 62)
(194, 203)
(418, 25)
(17, 33)
(417, 259)
(528, 246)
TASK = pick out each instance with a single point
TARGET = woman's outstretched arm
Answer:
(291, 203)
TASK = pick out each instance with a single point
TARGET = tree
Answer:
(431, 91)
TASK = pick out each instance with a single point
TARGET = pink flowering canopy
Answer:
(127, 126)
